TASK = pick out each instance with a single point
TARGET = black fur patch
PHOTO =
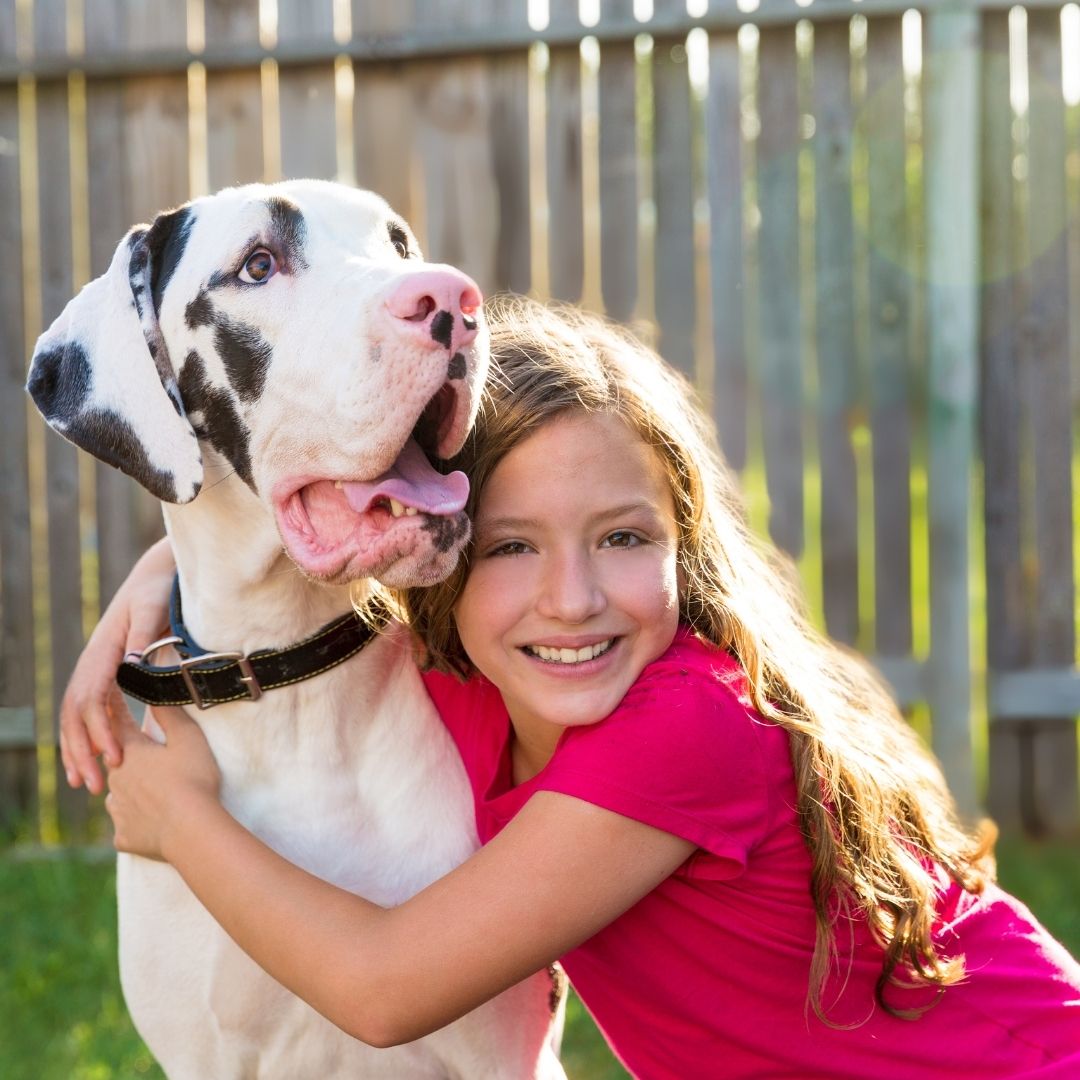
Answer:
(166, 241)
(60, 381)
(108, 436)
(288, 232)
(221, 424)
(442, 327)
(245, 353)
(457, 368)
(199, 312)
(446, 532)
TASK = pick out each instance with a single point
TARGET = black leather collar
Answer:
(206, 678)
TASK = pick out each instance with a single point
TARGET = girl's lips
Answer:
(564, 664)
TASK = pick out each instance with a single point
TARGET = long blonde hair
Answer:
(873, 806)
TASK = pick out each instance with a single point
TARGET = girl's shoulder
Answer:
(690, 669)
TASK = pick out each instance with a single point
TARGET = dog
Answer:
(279, 366)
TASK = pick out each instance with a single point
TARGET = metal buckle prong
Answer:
(247, 674)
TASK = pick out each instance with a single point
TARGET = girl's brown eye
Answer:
(259, 266)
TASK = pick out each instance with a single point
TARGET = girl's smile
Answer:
(572, 588)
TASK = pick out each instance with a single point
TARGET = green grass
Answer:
(62, 1016)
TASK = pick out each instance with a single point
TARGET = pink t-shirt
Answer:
(707, 975)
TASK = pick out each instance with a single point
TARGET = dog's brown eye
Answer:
(259, 267)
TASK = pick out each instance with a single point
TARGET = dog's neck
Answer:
(238, 587)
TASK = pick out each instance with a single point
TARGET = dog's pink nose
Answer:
(438, 305)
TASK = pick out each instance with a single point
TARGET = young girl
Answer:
(716, 819)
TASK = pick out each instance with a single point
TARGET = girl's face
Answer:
(573, 585)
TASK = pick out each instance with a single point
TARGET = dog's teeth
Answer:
(396, 508)
(411, 511)
(339, 484)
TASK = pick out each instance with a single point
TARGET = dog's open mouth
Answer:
(344, 528)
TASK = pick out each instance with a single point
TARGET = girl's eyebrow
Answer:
(511, 524)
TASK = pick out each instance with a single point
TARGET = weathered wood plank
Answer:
(1037, 693)
(384, 124)
(234, 115)
(18, 768)
(952, 192)
(566, 225)
(723, 119)
(617, 108)
(1006, 604)
(306, 94)
(836, 358)
(507, 77)
(1047, 392)
(780, 308)
(61, 458)
(675, 290)
(454, 123)
(889, 261)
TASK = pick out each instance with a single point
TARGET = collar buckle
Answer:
(247, 675)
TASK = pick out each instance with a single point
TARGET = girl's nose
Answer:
(571, 591)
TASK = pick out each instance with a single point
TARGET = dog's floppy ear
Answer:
(101, 374)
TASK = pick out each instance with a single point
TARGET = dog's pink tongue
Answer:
(412, 481)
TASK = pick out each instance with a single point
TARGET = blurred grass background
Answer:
(62, 1016)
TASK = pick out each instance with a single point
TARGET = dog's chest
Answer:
(351, 775)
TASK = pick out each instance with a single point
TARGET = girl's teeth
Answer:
(570, 656)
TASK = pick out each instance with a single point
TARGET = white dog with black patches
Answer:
(278, 365)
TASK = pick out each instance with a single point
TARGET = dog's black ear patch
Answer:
(112, 439)
(220, 424)
(288, 231)
(60, 382)
(166, 242)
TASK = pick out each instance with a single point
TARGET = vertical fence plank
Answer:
(566, 226)
(889, 318)
(1008, 791)
(778, 247)
(61, 458)
(306, 93)
(234, 125)
(17, 762)
(1046, 364)
(952, 189)
(674, 194)
(723, 119)
(454, 127)
(836, 363)
(508, 79)
(383, 112)
(617, 108)
(107, 183)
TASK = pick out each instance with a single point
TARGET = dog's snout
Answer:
(438, 306)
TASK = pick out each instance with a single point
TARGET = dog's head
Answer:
(293, 336)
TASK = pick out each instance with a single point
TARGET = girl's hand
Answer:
(93, 708)
(158, 784)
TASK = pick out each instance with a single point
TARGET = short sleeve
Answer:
(681, 753)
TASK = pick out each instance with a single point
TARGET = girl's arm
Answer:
(559, 872)
(93, 705)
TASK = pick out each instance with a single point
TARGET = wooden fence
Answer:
(852, 223)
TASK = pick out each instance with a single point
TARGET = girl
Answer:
(715, 818)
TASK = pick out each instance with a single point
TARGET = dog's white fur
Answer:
(350, 774)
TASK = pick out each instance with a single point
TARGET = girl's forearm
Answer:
(317, 940)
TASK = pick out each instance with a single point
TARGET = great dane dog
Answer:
(279, 366)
